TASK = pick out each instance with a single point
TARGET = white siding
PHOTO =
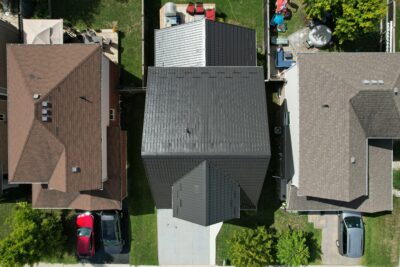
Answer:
(105, 113)
(292, 98)
(181, 46)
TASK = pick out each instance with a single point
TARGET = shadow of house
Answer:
(76, 11)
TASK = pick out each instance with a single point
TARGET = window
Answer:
(112, 114)
(344, 239)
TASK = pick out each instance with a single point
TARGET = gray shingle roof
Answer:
(212, 114)
(338, 111)
(205, 43)
(379, 183)
(205, 196)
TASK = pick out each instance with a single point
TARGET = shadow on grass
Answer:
(75, 11)
(17, 194)
(315, 249)
(140, 198)
(368, 42)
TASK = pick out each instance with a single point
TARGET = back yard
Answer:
(100, 14)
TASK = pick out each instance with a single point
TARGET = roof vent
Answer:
(3, 117)
(46, 112)
(76, 169)
(188, 131)
(374, 82)
(46, 104)
(381, 82)
(46, 118)
(396, 91)
(366, 82)
(325, 106)
(353, 160)
(36, 96)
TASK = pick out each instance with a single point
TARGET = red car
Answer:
(85, 235)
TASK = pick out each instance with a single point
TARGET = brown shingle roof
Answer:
(69, 77)
(331, 136)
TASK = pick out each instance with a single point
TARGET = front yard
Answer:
(269, 215)
(382, 233)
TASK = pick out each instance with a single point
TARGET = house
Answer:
(342, 113)
(8, 34)
(63, 126)
(205, 143)
(43, 31)
(205, 43)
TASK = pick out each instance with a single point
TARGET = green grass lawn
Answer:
(396, 179)
(269, 215)
(99, 14)
(382, 244)
(142, 212)
(248, 13)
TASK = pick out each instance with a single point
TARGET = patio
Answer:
(181, 11)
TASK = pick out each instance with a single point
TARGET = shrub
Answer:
(251, 247)
(292, 248)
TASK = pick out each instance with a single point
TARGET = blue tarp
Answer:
(281, 62)
(277, 19)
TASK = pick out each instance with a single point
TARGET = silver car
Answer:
(351, 234)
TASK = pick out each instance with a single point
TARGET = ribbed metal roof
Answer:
(206, 196)
(205, 43)
(213, 110)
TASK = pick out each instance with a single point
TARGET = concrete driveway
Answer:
(329, 224)
(184, 243)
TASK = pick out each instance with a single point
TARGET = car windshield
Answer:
(84, 231)
(108, 229)
(353, 222)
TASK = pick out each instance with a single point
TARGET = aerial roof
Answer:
(205, 43)
(345, 99)
(43, 31)
(212, 110)
(61, 83)
(206, 130)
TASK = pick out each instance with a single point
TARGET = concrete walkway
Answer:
(329, 224)
(184, 243)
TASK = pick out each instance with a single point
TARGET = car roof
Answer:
(355, 242)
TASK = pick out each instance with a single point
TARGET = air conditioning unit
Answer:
(46, 104)
(76, 169)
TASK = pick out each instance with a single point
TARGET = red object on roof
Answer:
(199, 8)
(190, 8)
(210, 14)
(280, 5)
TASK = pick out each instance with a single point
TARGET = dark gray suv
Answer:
(111, 231)
(351, 235)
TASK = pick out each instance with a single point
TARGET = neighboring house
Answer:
(205, 140)
(8, 34)
(342, 113)
(43, 31)
(205, 43)
(63, 126)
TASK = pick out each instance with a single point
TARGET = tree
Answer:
(292, 248)
(251, 247)
(35, 234)
(350, 17)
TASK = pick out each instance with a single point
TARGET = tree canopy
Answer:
(350, 17)
(35, 234)
(251, 247)
(292, 248)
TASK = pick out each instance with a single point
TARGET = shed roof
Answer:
(205, 43)
(43, 31)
